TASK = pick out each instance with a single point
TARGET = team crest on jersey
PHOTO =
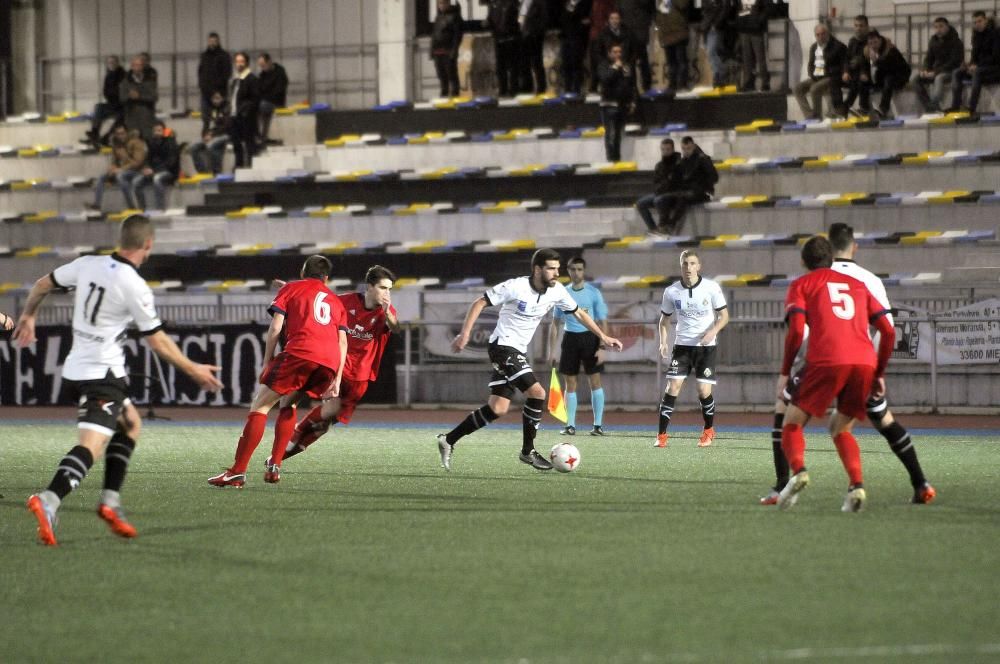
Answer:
(704, 302)
(674, 363)
(707, 372)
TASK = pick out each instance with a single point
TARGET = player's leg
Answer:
(902, 446)
(116, 461)
(680, 367)
(531, 418)
(569, 367)
(704, 371)
(841, 425)
(312, 427)
(793, 444)
(780, 462)
(571, 405)
(253, 432)
(497, 405)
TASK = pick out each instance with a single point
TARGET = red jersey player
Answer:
(311, 362)
(371, 318)
(840, 364)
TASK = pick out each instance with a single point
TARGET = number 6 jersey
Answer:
(110, 294)
(314, 317)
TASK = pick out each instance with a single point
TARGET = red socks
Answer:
(793, 444)
(306, 431)
(283, 430)
(850, 455)
(253, 431)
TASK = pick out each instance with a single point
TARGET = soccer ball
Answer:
(565, 458)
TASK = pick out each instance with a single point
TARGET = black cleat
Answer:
(535, 460)
(597, 430)
(567, 431)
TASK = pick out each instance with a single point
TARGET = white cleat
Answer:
(790, 494)
(854, 501)
(444, 449)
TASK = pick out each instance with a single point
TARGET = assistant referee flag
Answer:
(557, 405)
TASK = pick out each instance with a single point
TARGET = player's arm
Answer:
(554, 329)
(663, 326)
(273, 335)
(886, 342)
(24, 333)
(202, 374)
(7, 323)
(471, 316)
(391, 321)
(589, 323)
(721, 320)
(334, 389)
(793, 340)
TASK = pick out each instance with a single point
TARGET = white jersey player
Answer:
(523, 302)
(109, 296)
(702, 312)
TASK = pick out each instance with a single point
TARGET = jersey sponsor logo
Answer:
(358, 332)
(678, 305)
(522, 306)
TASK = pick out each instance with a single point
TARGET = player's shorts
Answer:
(580, 348)
(817, 387)
(351, 392)
(699, 359)
(511, 370)
(287, 373)
(100, 402)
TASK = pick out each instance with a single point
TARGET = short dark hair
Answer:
(841, 236)
(135, 230)
(159, 123)
(874, 33)
(667, 141)
(244, 54)
(213, 34)
(687, 140)
(817, 252)
(377, 273)
(542, 256)
(266, 56)
(979, 13)
(576, 260)
(862, 18)
(941, 19)
(316, 266)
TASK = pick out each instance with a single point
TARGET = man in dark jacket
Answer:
(111, 107)
(693, 181)
(945, 53)
(138, 94)
(214, 70)
(617, 79)
(856, 66)
(574, 23)
(502, 22)
(827, 59)
(751, 26)
(984, 65)
(615, 33)
(717, 18)
(888, 70)
(273, 93)
(661, 185)
(637, 16)
(244, 98)
(208, 153)
(533, 18)
(446, 37)
(163, 165)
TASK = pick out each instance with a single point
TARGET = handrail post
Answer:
(407, 366)
(934, 365)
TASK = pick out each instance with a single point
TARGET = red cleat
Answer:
(46, 520)
(771, 498)
(924, 494)
(115, 518)
(272, 473)
(707, 436)
(227, 478)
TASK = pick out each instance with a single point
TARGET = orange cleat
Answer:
(227, 478)
(707, 436)
(46, 520)
(115, 518)
(771, 498)
(661, 440)
(924, 494)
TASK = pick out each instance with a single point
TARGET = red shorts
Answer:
(848, 384)
(287, 373)
(351, 392)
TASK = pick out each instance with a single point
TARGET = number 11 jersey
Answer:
(838, 310)
(314, 317)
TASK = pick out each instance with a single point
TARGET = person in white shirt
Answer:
(701, 314)
(523, 302)
(109, 296)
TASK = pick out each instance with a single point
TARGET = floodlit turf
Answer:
(368, 551)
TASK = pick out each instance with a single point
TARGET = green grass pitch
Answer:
(367, 551)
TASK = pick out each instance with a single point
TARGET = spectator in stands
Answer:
(163, 165)
(446, 37)
(600, 13)
(637, 15)
(502, 22)
(888, 70)
(692, 181)
(214, 71)
(984, 65)
(574, 23)
(716, 17)
(827, 58)
(112, 106)
(661, 186)
(945, 53)
(138, 94)
(533, 18)
(148, 70)
(214, 139)
(672, 30)
(751, 26)
(855, 76)
(244, 98)
(128, 156)
(616, 34)
(273, 94)
(617, 79)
